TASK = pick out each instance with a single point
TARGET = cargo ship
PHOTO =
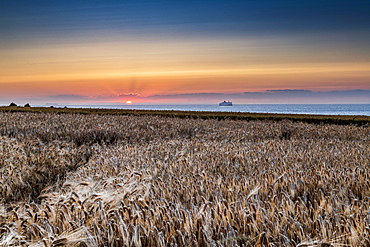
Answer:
(226, 103)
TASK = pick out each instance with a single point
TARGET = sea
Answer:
(311, 109)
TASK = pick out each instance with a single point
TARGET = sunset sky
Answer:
(169, 51)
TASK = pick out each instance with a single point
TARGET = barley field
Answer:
(104, 180)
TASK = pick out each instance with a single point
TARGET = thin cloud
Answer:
(129, 94)
(187, 96)
(298, 93)
(68, 97)
(275, 96)
(272, 96)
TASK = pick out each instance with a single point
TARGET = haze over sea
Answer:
(316, 109)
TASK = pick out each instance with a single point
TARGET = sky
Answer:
(184, 52)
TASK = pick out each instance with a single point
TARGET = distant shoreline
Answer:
(308, 118)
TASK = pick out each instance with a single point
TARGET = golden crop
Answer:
(103, 180)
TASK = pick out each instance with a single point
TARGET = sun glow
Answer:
(128, 102)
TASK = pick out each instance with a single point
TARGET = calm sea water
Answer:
(317, 109)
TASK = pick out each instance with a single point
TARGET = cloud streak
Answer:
(70, 97)
(276, 96)
(297, 93)
(269, 96)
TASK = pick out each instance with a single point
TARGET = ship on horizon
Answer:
(226, 103)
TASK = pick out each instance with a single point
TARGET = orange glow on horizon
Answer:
(129, 102)
(277, 70)
(126, 71)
